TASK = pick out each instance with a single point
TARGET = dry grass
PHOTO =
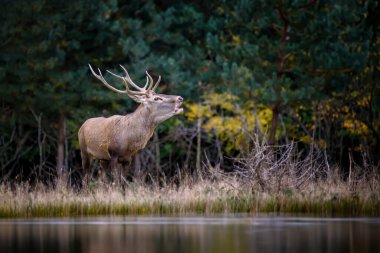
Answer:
(204, 196)
(267, 179)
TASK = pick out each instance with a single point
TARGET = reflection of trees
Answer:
(118, 238)
(189, 235)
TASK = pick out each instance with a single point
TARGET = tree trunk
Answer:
(158, 155)
(274, 123)
(61, 146)
(281, 58)
(38, 118)
(199, 139)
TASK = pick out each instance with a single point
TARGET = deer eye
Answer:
(157, 99)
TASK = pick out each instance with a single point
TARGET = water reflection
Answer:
(190, 234)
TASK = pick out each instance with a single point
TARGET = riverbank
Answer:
(323, 198)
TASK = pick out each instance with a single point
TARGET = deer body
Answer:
(118, 138)
(109, 136)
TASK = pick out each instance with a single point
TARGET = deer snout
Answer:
(178, 104)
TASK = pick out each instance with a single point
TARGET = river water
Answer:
(226, 233)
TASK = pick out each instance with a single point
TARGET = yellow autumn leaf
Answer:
(355, 127)
(236, 40)
(221, 117)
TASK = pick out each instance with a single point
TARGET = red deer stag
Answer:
(116, 139)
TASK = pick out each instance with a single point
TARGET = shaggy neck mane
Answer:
(142, 117)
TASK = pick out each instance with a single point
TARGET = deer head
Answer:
(161, 106)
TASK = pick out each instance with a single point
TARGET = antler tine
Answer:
(128, 79)
(150, 79)
(156, 84)
(132, 92)
(121, 77)
(146, 83)
(150, 88)
(101, 78)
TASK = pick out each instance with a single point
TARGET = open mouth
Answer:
(178, 109)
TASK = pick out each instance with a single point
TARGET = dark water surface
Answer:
(191, 234)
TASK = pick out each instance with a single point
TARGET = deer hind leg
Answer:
(86, 168)
(106, 172)
(126, 166)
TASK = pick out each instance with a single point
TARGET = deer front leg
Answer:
(115, 170)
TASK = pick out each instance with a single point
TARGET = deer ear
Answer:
(139, 98)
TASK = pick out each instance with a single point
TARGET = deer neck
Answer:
(143, 118)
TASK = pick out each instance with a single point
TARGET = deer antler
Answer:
(148, 87)
(151, 82)
(146, 90)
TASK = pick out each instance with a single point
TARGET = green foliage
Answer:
(297, 54)
(311, 64)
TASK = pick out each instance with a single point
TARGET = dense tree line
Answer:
(303, 71)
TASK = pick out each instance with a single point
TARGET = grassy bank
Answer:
(204, 196)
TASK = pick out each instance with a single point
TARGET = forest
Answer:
(267, 86)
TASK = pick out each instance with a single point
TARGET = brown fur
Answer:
(116, 139)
